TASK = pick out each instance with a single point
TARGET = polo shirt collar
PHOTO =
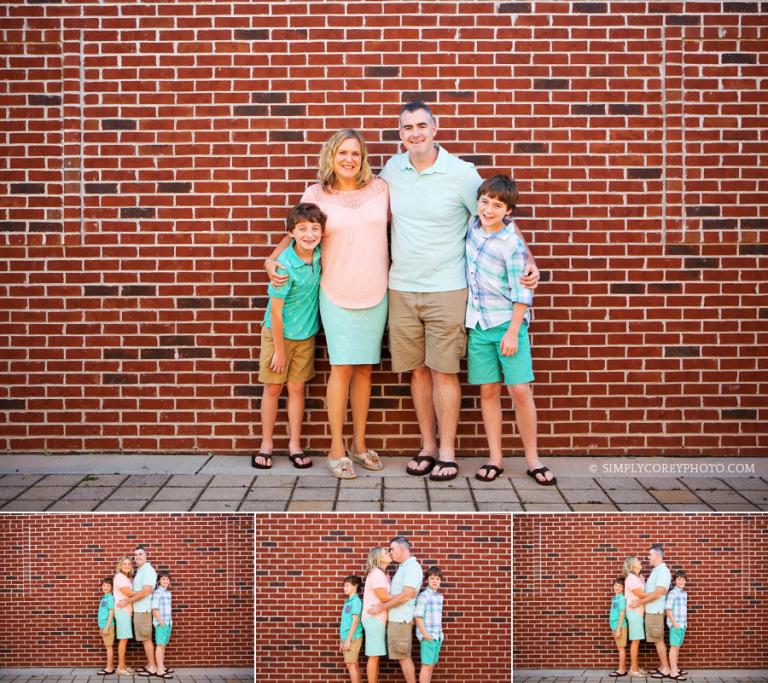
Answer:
(440, 165)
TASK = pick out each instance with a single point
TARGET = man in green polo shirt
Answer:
(432, 196)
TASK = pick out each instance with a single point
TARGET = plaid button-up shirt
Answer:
(429, 606)
(161, 601)
(677, 601)
(495, 263)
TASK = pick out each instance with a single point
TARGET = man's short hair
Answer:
(415, 105)
(306, 211)
(402, 540)
(499, 187)
(141, 549)
(657, 548)
(680, 574)
(355, 580)
(434, 571)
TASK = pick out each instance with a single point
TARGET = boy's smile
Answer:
(307, 235)
(491, 212)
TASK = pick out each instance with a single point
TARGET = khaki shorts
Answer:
(142, 625)
(351, 655)
(399, 638)
(109, 639)
(621, 641)
(427, 329)
(654, 628)
(300, 359)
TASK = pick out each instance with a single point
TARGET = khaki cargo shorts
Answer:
(399, 636)
(426, 329)
(300, 359)
(654, 627)
(109, 639)
(351, 655)
(142, 625)
(621, 641)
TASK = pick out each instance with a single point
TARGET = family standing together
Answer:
(458, 263)
(638, 611)
(388, 612)
(132, 602)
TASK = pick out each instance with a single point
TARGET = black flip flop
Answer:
(658, 674)
(165, 675)
(488, 470)
(293, 457)
(104, 672)
(542, 471)
(679, 677)
(145, 674)
(445, 477)
(417, 460)
(267, 465)
(616, 674)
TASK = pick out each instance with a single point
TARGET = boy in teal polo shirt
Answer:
(618, 623)
(351, 628)
(288, 333)
(106, 621)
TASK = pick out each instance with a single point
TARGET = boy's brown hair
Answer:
(305, 212)
(499, 187)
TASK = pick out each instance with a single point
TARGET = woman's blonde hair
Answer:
(628, 564)
(325, 173)
(120, 565)
(373, 559)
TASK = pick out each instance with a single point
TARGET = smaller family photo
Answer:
(140, 596)
(677, 597)
(406, 598)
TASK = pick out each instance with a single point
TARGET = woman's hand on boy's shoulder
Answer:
(275, 278)
(531, 276)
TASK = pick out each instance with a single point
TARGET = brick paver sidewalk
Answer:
(597, 676)
(127, 483)
(67, 675)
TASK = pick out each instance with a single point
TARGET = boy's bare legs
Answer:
(425, 675)
(269, 397)
(490, 403)
(421, 394)
(160, 658)
(354, 672)
(525, 417)
(295, 419)
(361, 400)
(622, 659)
(337, 395)
(372, 669)
(673, 652)
(409, 670)
(110, 660)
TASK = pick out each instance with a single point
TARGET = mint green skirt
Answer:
(353, 335)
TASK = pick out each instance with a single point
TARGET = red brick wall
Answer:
(53, 566)
(564, 566)
(301, 561)
(153, 149)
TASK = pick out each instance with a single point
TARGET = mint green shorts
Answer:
(486, 365)
(123, 625)
(676, 636)
(636, 624)
(375, 637)
(163, 634)
(430, 651)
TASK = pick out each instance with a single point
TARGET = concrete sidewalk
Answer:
(129, 483)
(67, 675)
(597, 676)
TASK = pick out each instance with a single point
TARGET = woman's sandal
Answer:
(638, 674)
(370, 460)
(342, 468)
(417, 460)
(105, 672)
(294, 457)
(543, 472)
(266, 457)
(492, 472)
(445, 464)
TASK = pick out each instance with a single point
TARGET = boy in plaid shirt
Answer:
(429, 623)
(161, 613)
(676, 607)
(498, 313)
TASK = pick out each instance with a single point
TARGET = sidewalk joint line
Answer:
(154, 495)
(60, 498)
(200, 495)
(247, 491)
(202, 467)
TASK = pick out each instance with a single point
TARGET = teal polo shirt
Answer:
(352, 606)
(430, 211)
(618, 605)
(301, 314)
(106, 603)
(408, 574)
(660, 576)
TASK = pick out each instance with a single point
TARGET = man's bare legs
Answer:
(661, 650)
(409, 670)
(437, 401)
(149, 650)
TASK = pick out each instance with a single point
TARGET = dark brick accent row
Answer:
(382, 71)
(753, 249)
(590, 7)
(177, 340)
(269, 97)
(119, 124)
(626, 109)
(738, 58)
(550, 83)
(627, 288)
(194, 302)
(702, 210)
(286, 136)
(423, 95)
(251, 34)
(120, 354)
(529, 148)
(755, 223)
(588, 109)
(682, 250)
(43, 100)
(665, 287)
(738, 414)
(158, 354)
(644, 173)
(230, 302)
(121, 378)
(139, 290)
(101, 290)
(250, 110)
(101, 188)
(174, 187)
(741, 7)
(682, 351)
(247, 390)
(698, 263)
(199, 352)
(27, 188)
(12, 404)
(682, 20)
(245, 366)
(288, 110)
(515, 8)
(12, 226)
(45, 226)
(478, 159)
(719, 224)
(137, 212)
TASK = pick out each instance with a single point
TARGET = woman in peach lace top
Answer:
(353, 288)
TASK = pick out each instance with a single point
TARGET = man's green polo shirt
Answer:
(430, 211)
(301, 315)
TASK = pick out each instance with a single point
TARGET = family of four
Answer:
(132, 602)
(388, 612)
(458, 263)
